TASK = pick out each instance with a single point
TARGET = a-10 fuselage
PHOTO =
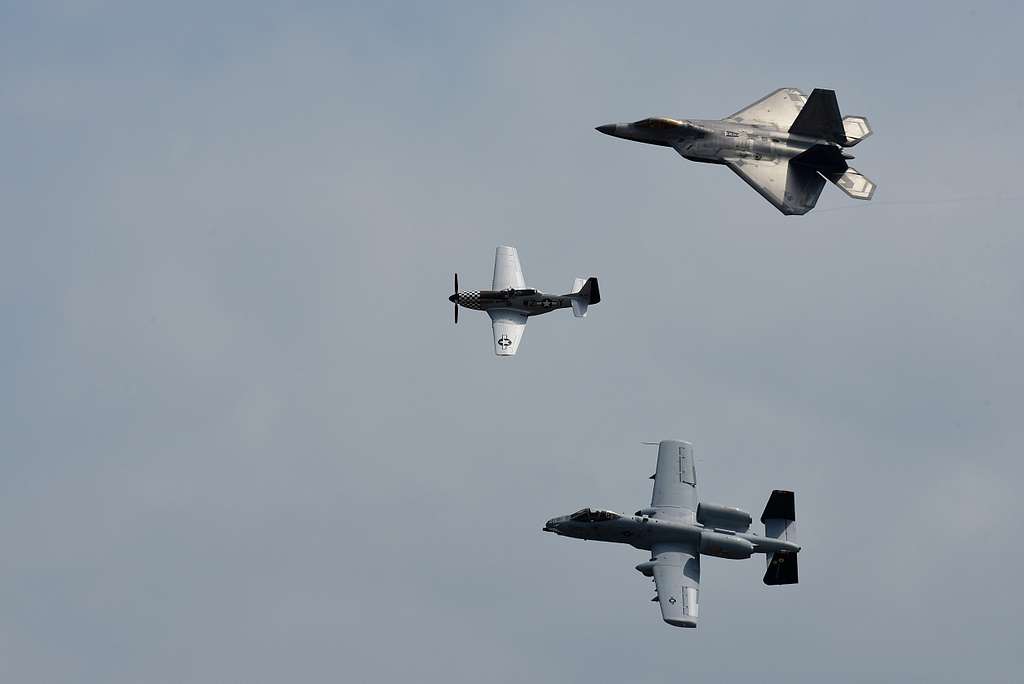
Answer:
(642, 531)
(528, 302)
(713, 142)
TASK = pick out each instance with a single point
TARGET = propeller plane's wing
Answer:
(507, 271)
(508, 330)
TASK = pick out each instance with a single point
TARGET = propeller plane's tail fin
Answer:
(584, 293)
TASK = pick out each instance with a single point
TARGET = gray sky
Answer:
(242, 440)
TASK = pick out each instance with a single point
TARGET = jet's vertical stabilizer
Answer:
(820, 118)
(779, 520)
(856, 129)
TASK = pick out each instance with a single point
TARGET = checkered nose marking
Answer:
(469, 299)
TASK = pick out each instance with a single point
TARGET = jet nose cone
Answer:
(607, 129)
(551, 525)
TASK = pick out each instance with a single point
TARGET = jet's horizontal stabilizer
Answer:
(856, 129)
(852, 182)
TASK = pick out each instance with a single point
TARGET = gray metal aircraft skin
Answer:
(785, 145)
(677, 530)
(509, 302)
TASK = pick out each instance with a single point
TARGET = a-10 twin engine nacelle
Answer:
(723, 517)
(725, 545)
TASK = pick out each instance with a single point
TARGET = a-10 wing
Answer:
(675, 481)
(677, 581)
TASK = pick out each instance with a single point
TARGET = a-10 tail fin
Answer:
(584, 293)
(779, 520)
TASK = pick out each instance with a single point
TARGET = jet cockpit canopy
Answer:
(660, 123)
(587, 515)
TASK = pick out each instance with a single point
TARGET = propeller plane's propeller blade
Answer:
(456, 299)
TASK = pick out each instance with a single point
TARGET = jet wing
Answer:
(675, 481)
(776, 110)
(507, 271)
(792, 188)
(508, 330)
(677, 581)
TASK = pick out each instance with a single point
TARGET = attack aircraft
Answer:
(785, 145)
(677, 530)
(509, 302)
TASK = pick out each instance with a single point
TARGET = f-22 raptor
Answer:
(509, 302)
(785, 145)
(677, 530)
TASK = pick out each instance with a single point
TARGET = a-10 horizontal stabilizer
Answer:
(853, 183)
(782, 569)
(779, 520)
(856, 129)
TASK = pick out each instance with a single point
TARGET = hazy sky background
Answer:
(243, 441)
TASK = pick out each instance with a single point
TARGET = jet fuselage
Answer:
(713, 142)
(641, 531)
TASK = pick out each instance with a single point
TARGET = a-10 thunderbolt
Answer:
(677, 530)
(509, 302)
(785, 145)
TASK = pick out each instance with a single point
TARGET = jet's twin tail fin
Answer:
(584, 293)
(779, 520)
(820, 118)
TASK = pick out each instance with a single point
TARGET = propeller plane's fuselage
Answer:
(528, 302)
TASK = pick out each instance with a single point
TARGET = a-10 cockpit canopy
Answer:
(587, 515)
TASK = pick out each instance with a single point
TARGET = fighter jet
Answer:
(785, 145)
(509, 302)
(677, 530)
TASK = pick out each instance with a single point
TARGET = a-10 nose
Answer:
(551, 525)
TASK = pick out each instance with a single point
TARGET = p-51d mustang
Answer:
(785, 145)
(509, 302)
(677, 530)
